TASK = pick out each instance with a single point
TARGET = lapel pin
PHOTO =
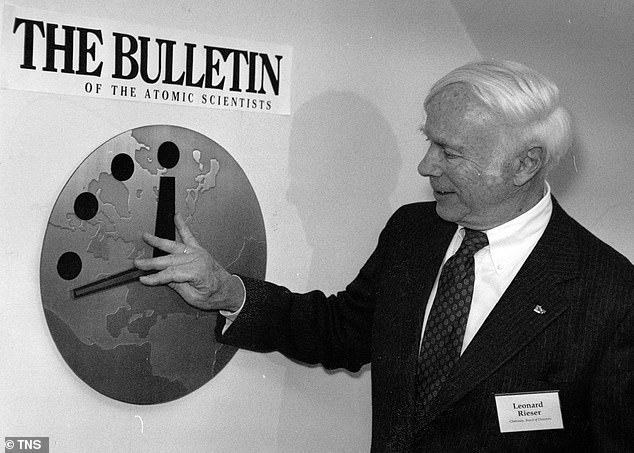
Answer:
(539, 310)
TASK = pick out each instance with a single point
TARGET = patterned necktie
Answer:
(444, 333)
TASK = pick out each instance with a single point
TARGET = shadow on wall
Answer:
(344, 164)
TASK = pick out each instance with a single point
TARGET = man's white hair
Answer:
(522, 97)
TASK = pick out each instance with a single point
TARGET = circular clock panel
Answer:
(133, 343)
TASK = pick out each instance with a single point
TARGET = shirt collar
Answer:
(518, 235)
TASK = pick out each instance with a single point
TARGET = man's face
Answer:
(468, 164)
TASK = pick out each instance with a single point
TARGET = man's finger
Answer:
(165, 245)
(184, 232)
(168, 275)
(161, 262)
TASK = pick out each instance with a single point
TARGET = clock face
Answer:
(133, 343)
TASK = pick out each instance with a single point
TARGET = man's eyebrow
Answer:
(456, 148)
(440, 141)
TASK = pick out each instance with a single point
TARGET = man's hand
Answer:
(191, 271)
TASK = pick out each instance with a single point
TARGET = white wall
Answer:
(360, 72)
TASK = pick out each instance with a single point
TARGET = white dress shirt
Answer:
(497, 264)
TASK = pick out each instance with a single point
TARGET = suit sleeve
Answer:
(334, 331)
(612, 411)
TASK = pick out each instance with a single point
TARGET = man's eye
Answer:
(444, 148)
(448, 154)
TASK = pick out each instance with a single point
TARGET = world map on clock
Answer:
(138, 344)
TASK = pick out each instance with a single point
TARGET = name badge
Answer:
(529, 411)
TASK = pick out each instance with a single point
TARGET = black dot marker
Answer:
(86, 206)
(168, 154)
(69, 265)
(122, 167)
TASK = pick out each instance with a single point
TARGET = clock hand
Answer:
(114, 280)
(165, 210)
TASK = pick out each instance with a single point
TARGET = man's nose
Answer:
(430, 165)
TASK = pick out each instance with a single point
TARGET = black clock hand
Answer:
(112, 281)
(168, 156)
(165, 210)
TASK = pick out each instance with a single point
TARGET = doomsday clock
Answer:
(133, 343)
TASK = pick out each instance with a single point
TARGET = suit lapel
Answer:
(427, 267)
(416, 273)
(425, 261)
(513, 323)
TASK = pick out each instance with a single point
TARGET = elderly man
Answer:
(493, 321)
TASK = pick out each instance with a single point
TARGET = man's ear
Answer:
(529, 163)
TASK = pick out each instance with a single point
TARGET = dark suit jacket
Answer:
(582, 346)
